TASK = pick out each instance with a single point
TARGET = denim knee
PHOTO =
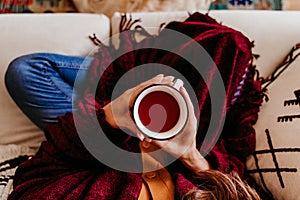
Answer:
(15, 71)
(35, 83)
(21, 69)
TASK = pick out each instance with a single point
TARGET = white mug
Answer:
(160, 111)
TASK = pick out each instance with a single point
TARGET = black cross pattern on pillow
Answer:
(276, 169)
(273, 151)
(287, 61)
(291, 102)
(4, 180)
(8, 165)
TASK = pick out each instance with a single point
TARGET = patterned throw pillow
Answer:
(10, 158)
(276, 164)
(246, 4)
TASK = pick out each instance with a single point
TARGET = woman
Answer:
(64, 169)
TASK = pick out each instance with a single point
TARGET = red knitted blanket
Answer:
(64, 169)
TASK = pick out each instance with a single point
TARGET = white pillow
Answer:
(276, 164)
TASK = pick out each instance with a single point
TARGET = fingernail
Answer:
(170, 77)
(147, 139)
(159, 77)
(141, 138)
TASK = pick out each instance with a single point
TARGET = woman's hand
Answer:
(117, 112)
(183, 146)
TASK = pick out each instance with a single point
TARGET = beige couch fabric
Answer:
(28, 33)
(276, 164)
(273, 32)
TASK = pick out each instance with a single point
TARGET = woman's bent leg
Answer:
(41, 84)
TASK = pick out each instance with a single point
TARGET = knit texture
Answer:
(64, 169)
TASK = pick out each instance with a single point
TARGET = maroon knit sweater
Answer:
(64, 169)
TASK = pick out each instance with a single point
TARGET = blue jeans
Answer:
(41, 84)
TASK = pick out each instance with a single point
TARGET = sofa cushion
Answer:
(10, 157)
(28, 33)
(273, 32)
(275, 165)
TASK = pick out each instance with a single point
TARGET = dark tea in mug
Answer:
(159, 111)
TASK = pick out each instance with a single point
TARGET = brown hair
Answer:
(215, 185)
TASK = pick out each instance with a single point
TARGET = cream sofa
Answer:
(29, 33)
(273, 32)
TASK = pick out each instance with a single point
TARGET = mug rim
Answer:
(167, 134)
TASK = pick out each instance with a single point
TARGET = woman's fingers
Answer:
(136, 90)
(187, 99)
(159, 143)
(159, 79)
(155, 80)
(134, 129)
(148, 140)
(168, 80)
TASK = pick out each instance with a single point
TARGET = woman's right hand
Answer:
(117, 112)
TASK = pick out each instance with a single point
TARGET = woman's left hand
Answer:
(183, 146)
